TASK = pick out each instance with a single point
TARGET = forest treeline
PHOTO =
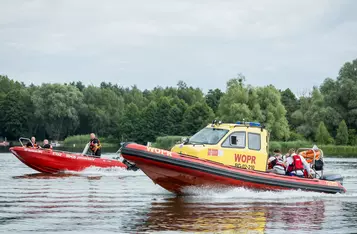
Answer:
(327, 115)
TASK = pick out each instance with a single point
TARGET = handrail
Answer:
(24, 138)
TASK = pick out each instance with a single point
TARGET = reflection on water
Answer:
(119, 201)
(178, 214)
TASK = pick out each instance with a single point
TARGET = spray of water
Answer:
(112, 171)
(241, 194)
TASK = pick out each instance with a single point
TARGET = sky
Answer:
(290, 44)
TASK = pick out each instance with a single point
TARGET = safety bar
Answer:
(24, 138)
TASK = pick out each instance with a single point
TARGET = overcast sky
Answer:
(287, 43)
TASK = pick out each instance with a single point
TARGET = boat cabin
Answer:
(242, 144)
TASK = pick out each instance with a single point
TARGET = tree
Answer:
(189, 94)
(341, 95)
(313, 110)
(273, 111)
(7, 85)
(131, 123)
(212, 98)
(16, 114)
(234, 105)
(196, 117)
(80, 86)
(290, 103)
(255, 104)
(342, 134)
(322, 135)
(57, 108)
(150, 122)
(104, 109)
(352, 137)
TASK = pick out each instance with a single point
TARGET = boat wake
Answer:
(98, 171)
(241, 194)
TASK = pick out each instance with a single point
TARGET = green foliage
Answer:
(56, 111)
(296, 136)
(82, 140)
(212, 98)
(196, 117)
(339, 150)
(329, 150)
(342, 134)
(130, 124)
(167, 142)
(352, 137)
(262, 104)
(291, 104)
(16, 118)
(322, 135)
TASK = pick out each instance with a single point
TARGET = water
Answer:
(118, 201)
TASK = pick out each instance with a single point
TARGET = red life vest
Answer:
(272, 163)
(297, 164)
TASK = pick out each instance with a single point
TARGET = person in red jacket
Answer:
(296, 165)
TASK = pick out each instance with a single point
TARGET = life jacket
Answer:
(272, 163)
(279, 168)
(92, 145)
(297, 165)
(34, 145)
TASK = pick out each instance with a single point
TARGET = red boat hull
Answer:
(176, 172)
(49, 161)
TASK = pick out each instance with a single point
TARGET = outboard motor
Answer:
(130, 166)
(333, 177)
(319, 165)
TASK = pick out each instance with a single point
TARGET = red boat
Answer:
(52, 161)
(175, 172)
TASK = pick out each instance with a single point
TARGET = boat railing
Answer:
(314, 150)
(24, 138)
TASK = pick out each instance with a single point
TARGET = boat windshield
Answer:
(210, 136)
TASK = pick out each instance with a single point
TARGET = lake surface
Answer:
(118, 201)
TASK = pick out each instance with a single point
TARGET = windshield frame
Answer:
(224, 133)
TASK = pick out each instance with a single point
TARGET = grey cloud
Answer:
(287, 43)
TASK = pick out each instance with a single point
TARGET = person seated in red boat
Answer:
(46, 145)
(296, 165)
(276, 164)
(94, 145)
(33, 143)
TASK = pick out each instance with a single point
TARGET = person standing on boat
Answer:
(95, 145)
(46, 144)
(33, 143)
(296, 165)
